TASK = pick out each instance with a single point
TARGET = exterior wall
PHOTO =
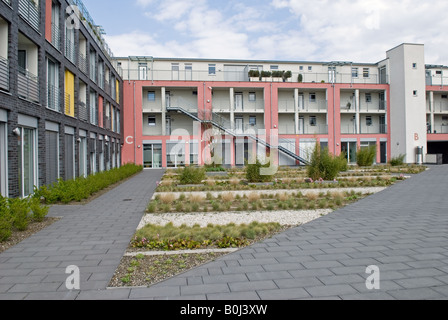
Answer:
(408, 114)
(34, 35)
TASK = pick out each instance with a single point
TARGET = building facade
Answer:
(60, 110)
(190, 111)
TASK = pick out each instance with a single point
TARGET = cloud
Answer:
(320, 30)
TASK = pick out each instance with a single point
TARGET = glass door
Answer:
(83, 157)
(142, 71)
(239, 125)
(350, 149)
(152, 156)
(27, 161)
(301, 125)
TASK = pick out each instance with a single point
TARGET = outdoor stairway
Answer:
(225, 125)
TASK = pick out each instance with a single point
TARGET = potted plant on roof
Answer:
(287, 76)
(266, 76)
(300, 78)
(254, 75)
(277, 76)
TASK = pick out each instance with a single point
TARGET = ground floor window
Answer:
(175, 154)
(350, 149)
(83, 157)
(69, 156)
(52, 156)
(152, 156)
(27, 146)
(3, 160)
(92, 155)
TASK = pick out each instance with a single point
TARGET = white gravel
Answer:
(367, 190)
(286, 217)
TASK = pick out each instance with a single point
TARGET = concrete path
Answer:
(402, 232)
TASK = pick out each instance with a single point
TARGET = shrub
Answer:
(366, 156)
(5, 220)
(192, 175)
(20, 213)
(254, 172)
(324, 165)
(397, 161)
(39, 211)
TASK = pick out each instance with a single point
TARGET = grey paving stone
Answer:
(252, 285)
(416, 294)
(283, 294)
(331, 290)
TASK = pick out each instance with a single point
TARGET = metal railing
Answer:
(28, 85)
(373, 106)
(204, 75)
(314, 106)
(82, 63)
(53, 97)
(70, 52)
(441, 129)
(439, 106)
(55, 36)
(29, 10)
(351, 129)
(82, 114)
(93, 114)
(4, 74)
(68, 105)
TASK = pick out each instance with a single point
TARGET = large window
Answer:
(69, 156)
(3, 160)
(52, 156)
(53, 85)
(27, 146)
(83, 156)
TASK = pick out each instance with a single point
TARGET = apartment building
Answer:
(60, 96)
(188, 111)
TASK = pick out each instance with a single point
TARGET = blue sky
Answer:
(318, 30)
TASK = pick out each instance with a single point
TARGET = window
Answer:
(52, 156)
(444, 96)
(69, 156)
(369, 121)
(253, 120)
(312, 97)
(175, 71)
(310, 68)
(188, 72)
(83, 157)
(52, 85)
(368, 97)
(151, 96)
(313, 121)
(252, 96)
(414, 66)
(354, 72)
(27, 146)
(151, 121)
(212, 69)
(93, 108)
(366, 72)
(439, 72)
(142, 71)
(415, 93)
(274, 67)
(300, 68)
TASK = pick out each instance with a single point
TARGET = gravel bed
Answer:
(363, 190)
(284, 217)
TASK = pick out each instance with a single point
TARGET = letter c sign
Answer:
(130, 140)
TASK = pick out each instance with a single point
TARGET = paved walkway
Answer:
(403, 231)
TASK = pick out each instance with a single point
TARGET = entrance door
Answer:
(301, 102)
(239, 125)
(383, 151)
(239, 101)
(152, 156)
(332, 74)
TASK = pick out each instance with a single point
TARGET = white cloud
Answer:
(321, 30)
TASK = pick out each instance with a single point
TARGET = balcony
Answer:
(82, 63)
(378, 106)
(440, 107)
(351, 129)
(28, 10)
(53, 98)
(70, 50)
(305, 130)
(441, 129)
(28, 85)
(55, 36)
(4, 74)
(313, 106)
(242, 76)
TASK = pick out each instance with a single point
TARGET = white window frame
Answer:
(252, 96)
(212, 69)
(35, 159)
(366, 73)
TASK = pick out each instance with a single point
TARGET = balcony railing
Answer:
(55, 36)
(351, 129)
(82, 63)
(70, 50)
(28, 85)
(440, 107)
(53, 98)
(83, 114)
(204, 75)
(441, 129)
(308, 129)
(30, 12)
(4, 74)
(68, 104)
(314, 106)
(373, 106)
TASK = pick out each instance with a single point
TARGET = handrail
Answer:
(225, 125)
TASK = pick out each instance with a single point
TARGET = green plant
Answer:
(324, 165)
(266, 74)
(254, 172)
(300, 78)
(397, 161)
(366, 156)
(6, 220)
(39, 211)
(254, 73)
(287, 75)
(20, 213)
(192, 175)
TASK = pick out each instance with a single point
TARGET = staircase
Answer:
(226, 126)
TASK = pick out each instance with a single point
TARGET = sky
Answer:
(285, 30)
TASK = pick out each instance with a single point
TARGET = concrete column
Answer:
(357, 109)
(431, 108)
(163, 98)
(232, 107)
(296, 110)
